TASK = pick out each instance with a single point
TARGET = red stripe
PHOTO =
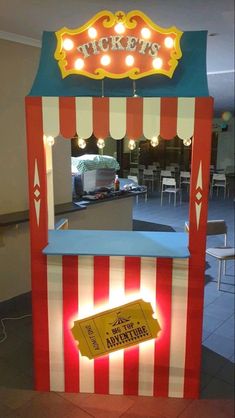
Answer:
(162, 344)
(67, 116)
(197, 244)
(101, 117)
(101, 296)
(39, 239)
(131, 355)
(168, 124)
(134, 115)
(70, 313)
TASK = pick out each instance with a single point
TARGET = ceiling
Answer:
(29, 18)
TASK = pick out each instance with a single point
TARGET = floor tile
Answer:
(227, 373)
(14, 398)
(145, 406)
(218, 389)
(211, 361)
(221, 345)
(209, 409)
(210, 323)
(50, 405)
(98, 405)
(226, 329)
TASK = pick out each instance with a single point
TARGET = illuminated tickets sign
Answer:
(118, 45)
(117, 328)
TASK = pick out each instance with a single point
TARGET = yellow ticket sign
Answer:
(117, 328)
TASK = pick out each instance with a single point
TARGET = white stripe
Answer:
(50, 116)
(55, 322)
(185, 117)
(84, 117)
(85, 308)
(117, 117)
(178, 327)
(147, 349)
(151, 117)
(50, 186)
(116, 298)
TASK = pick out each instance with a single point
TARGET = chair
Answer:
(222, 254)
(134, 181)
(134, 171)
(169, 187)
(218, 181)
(148, 177)
(185, 178)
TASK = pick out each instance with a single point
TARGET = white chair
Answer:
(185, 179)
(164, 173)
(218, 182)
(134, 181)
(134, 171)
(221, 253)
(169, 187)
(148, 177)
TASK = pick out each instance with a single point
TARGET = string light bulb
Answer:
(119, 28)
(81, 143)
(157, 63)
(187, 142)
(79, 64)
(105, 60)
(129, 60)
(132, 144)
(169, 42)
(92, 32)
(154, 141)
(50, 140)
(68, 44)
(145, 32)
(100, 143)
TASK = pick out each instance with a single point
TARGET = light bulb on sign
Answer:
(129, 60)
(226, 116)
(169, 42)
(105, 60)
(145, 32)
(100, 143)
(68, 44)
(187, 142)
(131, 144)
(79, 64)
(154, 141)
(157, 63)
(92, 32)
(81, 143)
(119, 28)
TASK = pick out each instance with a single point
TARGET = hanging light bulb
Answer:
(49, 139)
(154, 141)
(100, 143)
(81, 143)
(131, 144)
(187, 142)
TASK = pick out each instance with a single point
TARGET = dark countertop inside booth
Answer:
(118, 243)
(14, 218)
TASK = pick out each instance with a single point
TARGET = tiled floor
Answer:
(18, 400)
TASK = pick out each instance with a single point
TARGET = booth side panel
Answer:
(38, 239)
(79, 284)
(199, 192)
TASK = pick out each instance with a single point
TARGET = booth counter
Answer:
(90, 271)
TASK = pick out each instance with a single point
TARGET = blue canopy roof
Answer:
(189, 78)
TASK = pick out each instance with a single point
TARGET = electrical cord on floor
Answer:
(10, 319)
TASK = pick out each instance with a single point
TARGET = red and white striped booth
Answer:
(70, 286)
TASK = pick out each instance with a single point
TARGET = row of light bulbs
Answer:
(101, 143)
(105, 60)
(68, 44)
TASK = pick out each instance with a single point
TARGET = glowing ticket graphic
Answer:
(117, 328)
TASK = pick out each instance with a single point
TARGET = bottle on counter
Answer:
(116, 183)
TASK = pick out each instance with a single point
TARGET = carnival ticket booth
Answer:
(118, 312)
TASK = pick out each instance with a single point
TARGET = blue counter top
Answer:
(118, 243)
